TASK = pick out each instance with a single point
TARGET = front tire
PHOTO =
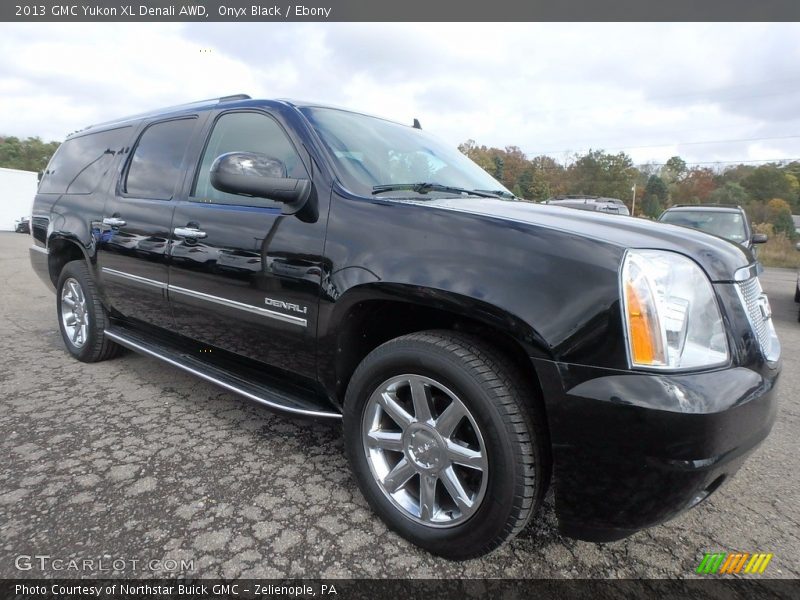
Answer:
(81, 316)
(446, 441)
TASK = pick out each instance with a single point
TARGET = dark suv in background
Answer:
(728, 221)
(476, 348)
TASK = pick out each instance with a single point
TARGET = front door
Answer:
(243, 277)
(135, 235)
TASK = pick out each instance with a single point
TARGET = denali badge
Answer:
(286, 305)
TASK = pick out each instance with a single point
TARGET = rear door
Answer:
(243, 277)
(135, 236)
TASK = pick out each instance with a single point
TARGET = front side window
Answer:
(244, 132)
(372, 152)
(156, 166)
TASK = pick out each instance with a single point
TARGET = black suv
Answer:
(476, 347)
(728, 221)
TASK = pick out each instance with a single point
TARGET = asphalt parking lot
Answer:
(131, 461)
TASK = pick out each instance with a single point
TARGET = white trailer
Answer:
(17, 189)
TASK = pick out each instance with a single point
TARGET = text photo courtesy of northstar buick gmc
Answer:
(477, 348)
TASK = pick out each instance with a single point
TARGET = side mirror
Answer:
(259, 176)
(759, 238)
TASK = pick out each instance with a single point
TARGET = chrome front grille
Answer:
(757, 309)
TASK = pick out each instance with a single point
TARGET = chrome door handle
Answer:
(113, 221)
(189, 232)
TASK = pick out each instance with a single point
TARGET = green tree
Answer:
(30, 154)
(730, 193)
(673, 170)
(767, 182)
(737, 173)
(598, 173)
(550, 178)
(655, 196)
(779, 215)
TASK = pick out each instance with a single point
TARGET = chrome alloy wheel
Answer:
(74, 313)
(425, 450)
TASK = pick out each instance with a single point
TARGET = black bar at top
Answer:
(396, 11)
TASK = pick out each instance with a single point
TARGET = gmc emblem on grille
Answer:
(763, 304)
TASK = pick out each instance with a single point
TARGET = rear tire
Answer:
(456, 486)
(82, 318)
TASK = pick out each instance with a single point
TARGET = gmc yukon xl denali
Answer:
(477, 348)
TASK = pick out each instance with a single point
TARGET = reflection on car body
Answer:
(239, 260)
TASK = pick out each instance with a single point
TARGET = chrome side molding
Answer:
(264, 312)
(238, 305)
(136, 278)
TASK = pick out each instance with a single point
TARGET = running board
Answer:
(275, 399)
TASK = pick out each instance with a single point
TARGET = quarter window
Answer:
(81, 162)
(155, 168)
(244, 132)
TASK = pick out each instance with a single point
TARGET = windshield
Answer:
(729, 225)
(372, 152)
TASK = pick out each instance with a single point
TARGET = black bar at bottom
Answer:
(715, 587)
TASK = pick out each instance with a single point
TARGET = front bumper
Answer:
(632, 450)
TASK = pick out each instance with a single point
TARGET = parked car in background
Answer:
(597, 203)
(797, 288)
(797, 284)
(728, 221)
(22, 225)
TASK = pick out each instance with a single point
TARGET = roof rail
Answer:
(177, 107)
(720, 204)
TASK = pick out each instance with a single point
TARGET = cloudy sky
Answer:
(652, 90)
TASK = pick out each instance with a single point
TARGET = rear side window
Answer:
(156, 164)
(81, 162)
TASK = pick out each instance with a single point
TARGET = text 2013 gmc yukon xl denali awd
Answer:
(477, 347)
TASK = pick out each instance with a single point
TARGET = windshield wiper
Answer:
(501, 193)
(424, 188)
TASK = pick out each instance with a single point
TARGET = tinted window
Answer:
(80, 163)
(244, 132)
(155, 167)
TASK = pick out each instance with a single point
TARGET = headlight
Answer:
(671, 315)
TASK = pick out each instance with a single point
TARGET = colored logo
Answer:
(737, 562)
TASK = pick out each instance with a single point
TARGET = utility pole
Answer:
(633, 203)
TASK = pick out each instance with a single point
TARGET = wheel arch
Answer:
(370, 314)
(61, 250)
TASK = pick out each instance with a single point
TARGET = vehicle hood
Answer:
(718, 257)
